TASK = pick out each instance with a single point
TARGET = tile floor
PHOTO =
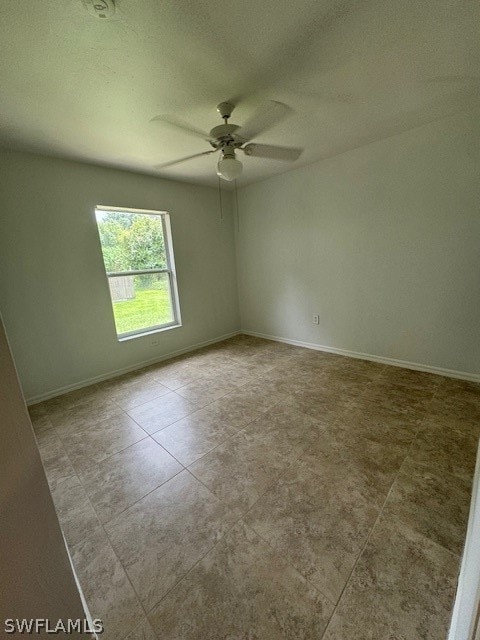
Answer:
(257, 491)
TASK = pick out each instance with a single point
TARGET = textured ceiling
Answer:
(353, 71)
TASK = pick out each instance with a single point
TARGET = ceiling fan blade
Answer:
(272, 152)
(265, 117)
(178, 123)
(195, 155)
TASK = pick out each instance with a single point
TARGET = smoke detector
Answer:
(100, 8)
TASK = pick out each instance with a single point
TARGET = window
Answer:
(138, 256)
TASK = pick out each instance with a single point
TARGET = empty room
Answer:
(240, 319)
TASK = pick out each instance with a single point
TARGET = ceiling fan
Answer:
(228, 138)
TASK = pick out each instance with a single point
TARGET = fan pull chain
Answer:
(236, 208)
(220, 199)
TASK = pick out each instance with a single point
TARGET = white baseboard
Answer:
(450, 373)
(416, 366)
(118, 372)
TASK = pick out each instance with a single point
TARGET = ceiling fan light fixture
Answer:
(229, 168)
(228, 138)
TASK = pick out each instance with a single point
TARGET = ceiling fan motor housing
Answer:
(228, 151)
(223, 131)
(228, 138)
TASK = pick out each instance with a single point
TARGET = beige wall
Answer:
(383, 242)
(35, 574)
(53, 291)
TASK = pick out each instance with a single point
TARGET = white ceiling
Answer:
(354, 71)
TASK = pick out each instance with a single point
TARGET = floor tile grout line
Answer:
(125, 411)
(96, 464)
(147, 434)
(84, 539)
(191, 354)
(237, 388)
(227, 531)
(129, 582)
(83, 481)
(108, 417)
(270, 488)
(199, 409)
(263, 375)
(420, 426)
(156, 381)
(215, 544)
(130, 506)
(102, 524)
(200, 380)
(380, 513)
(139, 600)
(237, 432)
(103, 527)
(378, 517)
(367, 540)
(258, 375)
(286, 560)
(75, 474)
(140, 624)
(229, 438)
(433, 472)
(206, 406)
(185, 385)
(168, 425)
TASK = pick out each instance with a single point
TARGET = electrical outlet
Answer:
(316, 319)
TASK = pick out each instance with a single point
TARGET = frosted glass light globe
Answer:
(229, 168)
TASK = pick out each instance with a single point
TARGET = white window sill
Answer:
(149, 332)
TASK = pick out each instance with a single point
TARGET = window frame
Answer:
(170, 270)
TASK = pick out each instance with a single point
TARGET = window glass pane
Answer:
(131, 241)
(141, 302)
